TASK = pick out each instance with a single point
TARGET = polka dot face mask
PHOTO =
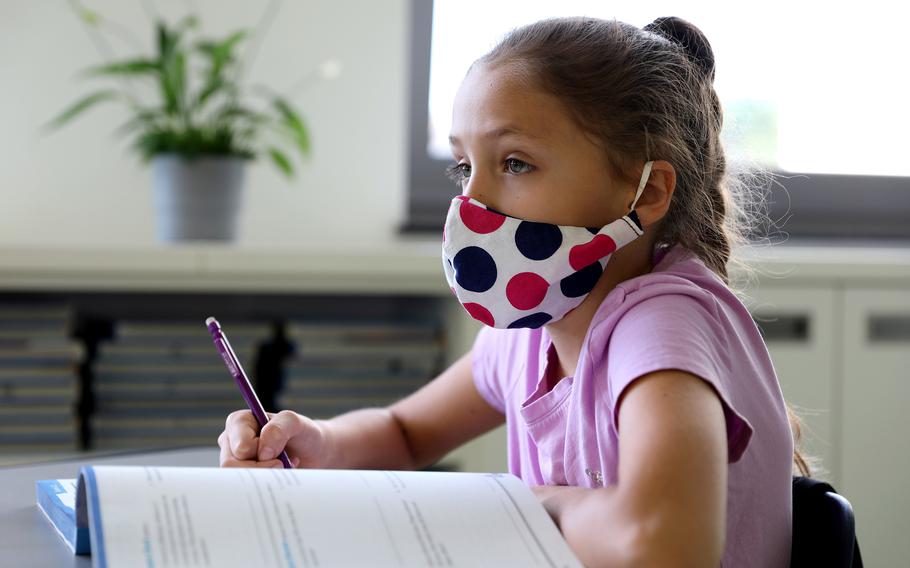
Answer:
(511, 273)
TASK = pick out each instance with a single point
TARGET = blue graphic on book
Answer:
(57, 500)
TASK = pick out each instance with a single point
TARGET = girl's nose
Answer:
(476, 187)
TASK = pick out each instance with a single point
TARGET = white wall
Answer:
(82, 186)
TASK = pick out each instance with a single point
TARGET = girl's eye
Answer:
(517, 167)
(458, 172)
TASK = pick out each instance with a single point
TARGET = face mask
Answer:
(511, 273)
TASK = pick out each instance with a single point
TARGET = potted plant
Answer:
(200, 128)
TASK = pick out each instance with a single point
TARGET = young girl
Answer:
(592, 238)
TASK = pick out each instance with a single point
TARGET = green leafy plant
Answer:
(199, 105)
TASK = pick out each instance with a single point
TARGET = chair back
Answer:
(824, 530)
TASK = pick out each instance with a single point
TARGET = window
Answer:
(808, 91)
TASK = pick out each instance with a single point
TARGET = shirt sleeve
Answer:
(483, 364)
(681, 332)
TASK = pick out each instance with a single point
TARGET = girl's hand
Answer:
(302, 438)
(556, 498)
(544, 494)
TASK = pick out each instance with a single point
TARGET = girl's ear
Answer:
(654, 202)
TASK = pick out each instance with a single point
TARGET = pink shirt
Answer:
(679, 316)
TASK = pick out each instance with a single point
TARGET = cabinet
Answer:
(800, 327)
(842, 354)
(874, 432)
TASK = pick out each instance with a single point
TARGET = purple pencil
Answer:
(243, 383)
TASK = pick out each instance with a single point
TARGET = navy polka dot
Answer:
(475, 269)
(537, 241)
(592, 230)
(532, 321)
(582, 281)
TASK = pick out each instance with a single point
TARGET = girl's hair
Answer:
(649, 94)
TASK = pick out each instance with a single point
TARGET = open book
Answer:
(183, 516)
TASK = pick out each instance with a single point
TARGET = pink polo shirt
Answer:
(679, 316)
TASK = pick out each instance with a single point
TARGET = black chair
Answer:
(824, 530)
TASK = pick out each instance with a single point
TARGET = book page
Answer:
(168, 517)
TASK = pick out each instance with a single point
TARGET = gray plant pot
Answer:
(197, 199)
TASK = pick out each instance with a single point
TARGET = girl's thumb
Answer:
(276, 433)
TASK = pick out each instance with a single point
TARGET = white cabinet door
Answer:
(800, 329)
(876, 451)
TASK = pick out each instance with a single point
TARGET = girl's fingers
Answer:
(241, 446)
(228, 459)
(275, 435)
(240, 428)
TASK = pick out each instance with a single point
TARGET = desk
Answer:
(27, 538)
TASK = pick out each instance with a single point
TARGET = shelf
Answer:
(406, 267)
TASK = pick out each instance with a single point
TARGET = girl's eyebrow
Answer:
(499, 132)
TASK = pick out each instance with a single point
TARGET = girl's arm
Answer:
(669, 505)
(416, 431)
(412, 433)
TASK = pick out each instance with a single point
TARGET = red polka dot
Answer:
(480, 220)
(526, 290)
(584, 255)
(479, 313)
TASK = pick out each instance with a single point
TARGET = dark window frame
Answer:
(806, 206)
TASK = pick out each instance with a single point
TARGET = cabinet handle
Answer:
(888, 328)
(783, 327)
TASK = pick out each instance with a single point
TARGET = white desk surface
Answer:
(27, 539)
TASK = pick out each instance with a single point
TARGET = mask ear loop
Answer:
(645, 176)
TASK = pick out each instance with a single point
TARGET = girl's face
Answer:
(518, 151)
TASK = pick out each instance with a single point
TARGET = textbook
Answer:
(57, 500)
(203, 516)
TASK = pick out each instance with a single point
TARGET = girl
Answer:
(592, 238)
